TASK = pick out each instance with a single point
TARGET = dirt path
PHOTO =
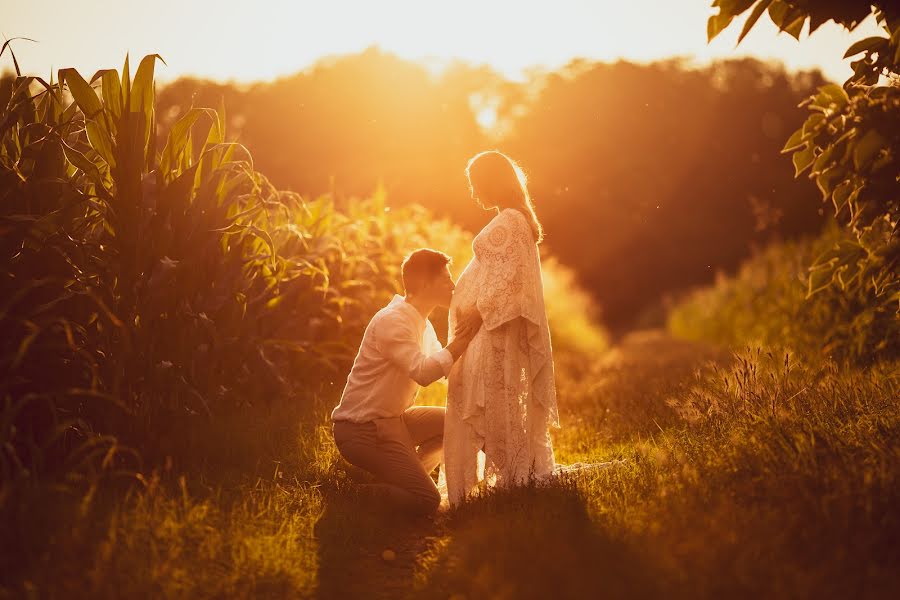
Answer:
(631, 382)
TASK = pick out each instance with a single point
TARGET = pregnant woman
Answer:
(502, 397)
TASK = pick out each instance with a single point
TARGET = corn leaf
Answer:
(84, 164)
(179, 137)
(126, 85)
(99, 139)
(142, 89)
(112, 91)
(82, 92)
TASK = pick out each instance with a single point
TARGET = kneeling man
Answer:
(375, 426)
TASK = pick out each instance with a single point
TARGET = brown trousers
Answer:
(401, 452)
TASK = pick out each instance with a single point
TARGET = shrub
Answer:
(767, 302)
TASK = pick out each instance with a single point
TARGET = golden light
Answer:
(270, 38)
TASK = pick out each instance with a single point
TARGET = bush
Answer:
(767, 302)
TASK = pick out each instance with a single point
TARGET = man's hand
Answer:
(466, 327)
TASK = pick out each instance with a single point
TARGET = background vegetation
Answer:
(158, 299)
(177, 327)
(672, 172)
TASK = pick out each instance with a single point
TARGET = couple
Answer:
(501, 397)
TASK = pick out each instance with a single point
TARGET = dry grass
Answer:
(762, 478)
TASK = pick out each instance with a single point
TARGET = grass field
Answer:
(164, 435)
(744, 475)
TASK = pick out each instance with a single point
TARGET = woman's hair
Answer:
(421, 266)
(498, 180)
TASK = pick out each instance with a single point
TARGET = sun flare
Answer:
(272, 38)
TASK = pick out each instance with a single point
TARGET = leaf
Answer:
(865, 45)
(803, 159)
(82, 92)
(841, 195)
(758, 10)
(866, 148)
(820, 278)
(794, 142)
(795, 27)
(84, 164)
(851, 199)
(112, 92)
(99, 139)
(169, 162)
(777, 12)
(826, 180)
(93, 393)
(142, 89)
(834, 94)
(13, 54)
(817, 19)
(787, 17)
(812, 123)
(822, 160)
(716, 24)
(217, 131)
(126, 85)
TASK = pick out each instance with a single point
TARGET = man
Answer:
(375, 426)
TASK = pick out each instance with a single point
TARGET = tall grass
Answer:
(780, 481)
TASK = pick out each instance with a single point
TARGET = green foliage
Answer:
(768, 302)
(791, 15)
(170, 290)
(850, 145)
(50, 386)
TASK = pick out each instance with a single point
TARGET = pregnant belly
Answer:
(466, 293)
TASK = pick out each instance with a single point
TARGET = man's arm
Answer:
(397, 340)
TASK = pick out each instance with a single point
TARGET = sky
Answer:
(264, 39)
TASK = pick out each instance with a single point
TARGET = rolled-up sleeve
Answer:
(398, 340)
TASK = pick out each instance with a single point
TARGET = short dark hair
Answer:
(420, 266)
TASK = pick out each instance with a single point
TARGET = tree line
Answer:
(650, 178)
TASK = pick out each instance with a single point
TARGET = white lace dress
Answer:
(501, 398)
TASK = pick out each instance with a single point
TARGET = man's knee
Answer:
(427, 500)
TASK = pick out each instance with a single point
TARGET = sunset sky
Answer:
(263, 39)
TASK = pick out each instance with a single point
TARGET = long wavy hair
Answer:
(496, 180)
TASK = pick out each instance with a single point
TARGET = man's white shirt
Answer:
(398, 353)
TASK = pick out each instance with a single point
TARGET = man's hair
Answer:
(420, 266)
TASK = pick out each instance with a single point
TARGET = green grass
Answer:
(744, 476)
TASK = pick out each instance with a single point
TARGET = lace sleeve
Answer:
(506, 249)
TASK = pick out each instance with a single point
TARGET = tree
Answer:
(850, 146)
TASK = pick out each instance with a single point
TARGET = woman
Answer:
(502, 398)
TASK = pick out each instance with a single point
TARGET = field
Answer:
(176, 329)
(744, 475)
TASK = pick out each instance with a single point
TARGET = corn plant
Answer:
(50, 386)
(197, 288)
